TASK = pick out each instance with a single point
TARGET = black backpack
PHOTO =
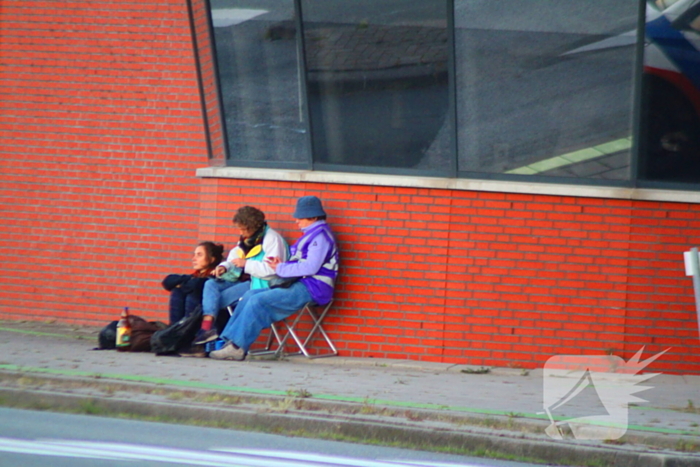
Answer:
(107, 339)
(178, 335)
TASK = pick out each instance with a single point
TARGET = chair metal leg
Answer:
(272, 338)
(317, 328)
(276, 343)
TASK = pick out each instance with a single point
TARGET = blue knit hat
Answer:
(308, 207)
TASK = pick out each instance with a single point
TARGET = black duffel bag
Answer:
(178, 335)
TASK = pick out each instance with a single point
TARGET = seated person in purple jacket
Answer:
(311, 269)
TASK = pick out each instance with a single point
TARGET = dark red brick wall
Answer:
(102, 129)
(101, 133)
(494, 279)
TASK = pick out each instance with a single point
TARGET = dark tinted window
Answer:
(545, 88)
(670, 136)
(377, 76)
(259, 74)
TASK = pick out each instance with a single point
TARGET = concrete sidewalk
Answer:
(423, 405)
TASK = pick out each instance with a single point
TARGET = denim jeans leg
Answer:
(211, 295)
(227, 333)
(231, 295)
(260, 308)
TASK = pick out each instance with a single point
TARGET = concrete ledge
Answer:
(641, 194)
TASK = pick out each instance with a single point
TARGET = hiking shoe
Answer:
(228, 352)
(203, 336)
(196, 351)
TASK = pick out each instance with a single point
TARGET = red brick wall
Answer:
(493, 279)
(101, 133)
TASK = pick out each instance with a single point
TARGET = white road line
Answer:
(218, 458)
(347, 461)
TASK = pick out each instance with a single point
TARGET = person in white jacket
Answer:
(243, 270)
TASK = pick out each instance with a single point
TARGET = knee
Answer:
(209, 287)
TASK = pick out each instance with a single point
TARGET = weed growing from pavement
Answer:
(415, 416)
(283, 405)
(89, 407)
(685, 445)
(303, 393)
(109, 390)
(27, 381)
(618, 442)
(370, 407)
(175, 396)
(221, 399)
(477, 371)
(511, 415)
(294, 400)
(689, 408)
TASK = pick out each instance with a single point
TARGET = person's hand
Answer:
(219, 271)
(273, 262)
(239, 262)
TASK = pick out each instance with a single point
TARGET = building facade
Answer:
(505, 185)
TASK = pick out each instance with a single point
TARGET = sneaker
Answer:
(203, 336)
(228, 352)
(196, 351)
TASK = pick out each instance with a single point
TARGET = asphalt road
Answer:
(30, 438)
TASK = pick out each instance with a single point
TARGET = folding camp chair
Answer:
(276, 342)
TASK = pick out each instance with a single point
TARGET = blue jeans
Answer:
(218, 294)
(261, 307)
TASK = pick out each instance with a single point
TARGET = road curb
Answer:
(357, 427)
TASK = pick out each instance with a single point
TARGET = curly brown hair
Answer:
(250, 218)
